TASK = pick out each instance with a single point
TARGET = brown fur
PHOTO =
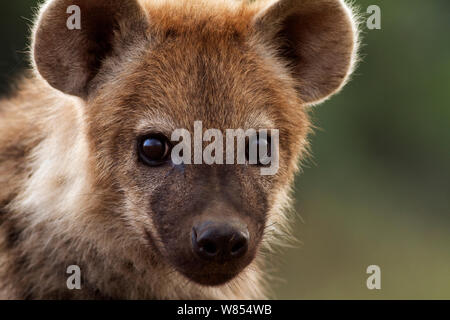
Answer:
(71, 189)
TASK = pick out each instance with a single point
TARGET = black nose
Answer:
(219, 241)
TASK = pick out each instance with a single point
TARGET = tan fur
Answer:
(71, 192)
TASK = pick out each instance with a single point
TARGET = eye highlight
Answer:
(154, 149)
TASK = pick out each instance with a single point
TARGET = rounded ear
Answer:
(72, 38)
(316, 38)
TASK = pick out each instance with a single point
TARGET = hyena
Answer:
(84, 174)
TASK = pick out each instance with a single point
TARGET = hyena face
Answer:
(145, 69)
(206, 220)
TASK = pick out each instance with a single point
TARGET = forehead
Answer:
(214, 83)
(222, 84)
(202, 67)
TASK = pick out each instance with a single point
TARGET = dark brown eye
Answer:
(154, 149)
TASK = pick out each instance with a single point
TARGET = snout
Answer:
(209, 222)
(221, 242)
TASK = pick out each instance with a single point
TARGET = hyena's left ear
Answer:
(316, 39)
(70, 55)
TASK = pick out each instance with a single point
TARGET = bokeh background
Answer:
(377, 189)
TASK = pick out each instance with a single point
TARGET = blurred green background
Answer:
(377, 189)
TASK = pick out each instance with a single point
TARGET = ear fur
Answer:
(69, 60)
(318, 40)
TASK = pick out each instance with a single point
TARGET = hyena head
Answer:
(144, 69)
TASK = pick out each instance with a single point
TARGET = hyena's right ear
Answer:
(71, 58)
(317, 40)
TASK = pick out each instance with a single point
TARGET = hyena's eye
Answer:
(258, 150)
(154, 149)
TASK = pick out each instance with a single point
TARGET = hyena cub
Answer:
(86, 173)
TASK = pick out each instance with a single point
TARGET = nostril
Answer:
(209, 247)
(238, 247)
(239, 244)
(204, 244)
